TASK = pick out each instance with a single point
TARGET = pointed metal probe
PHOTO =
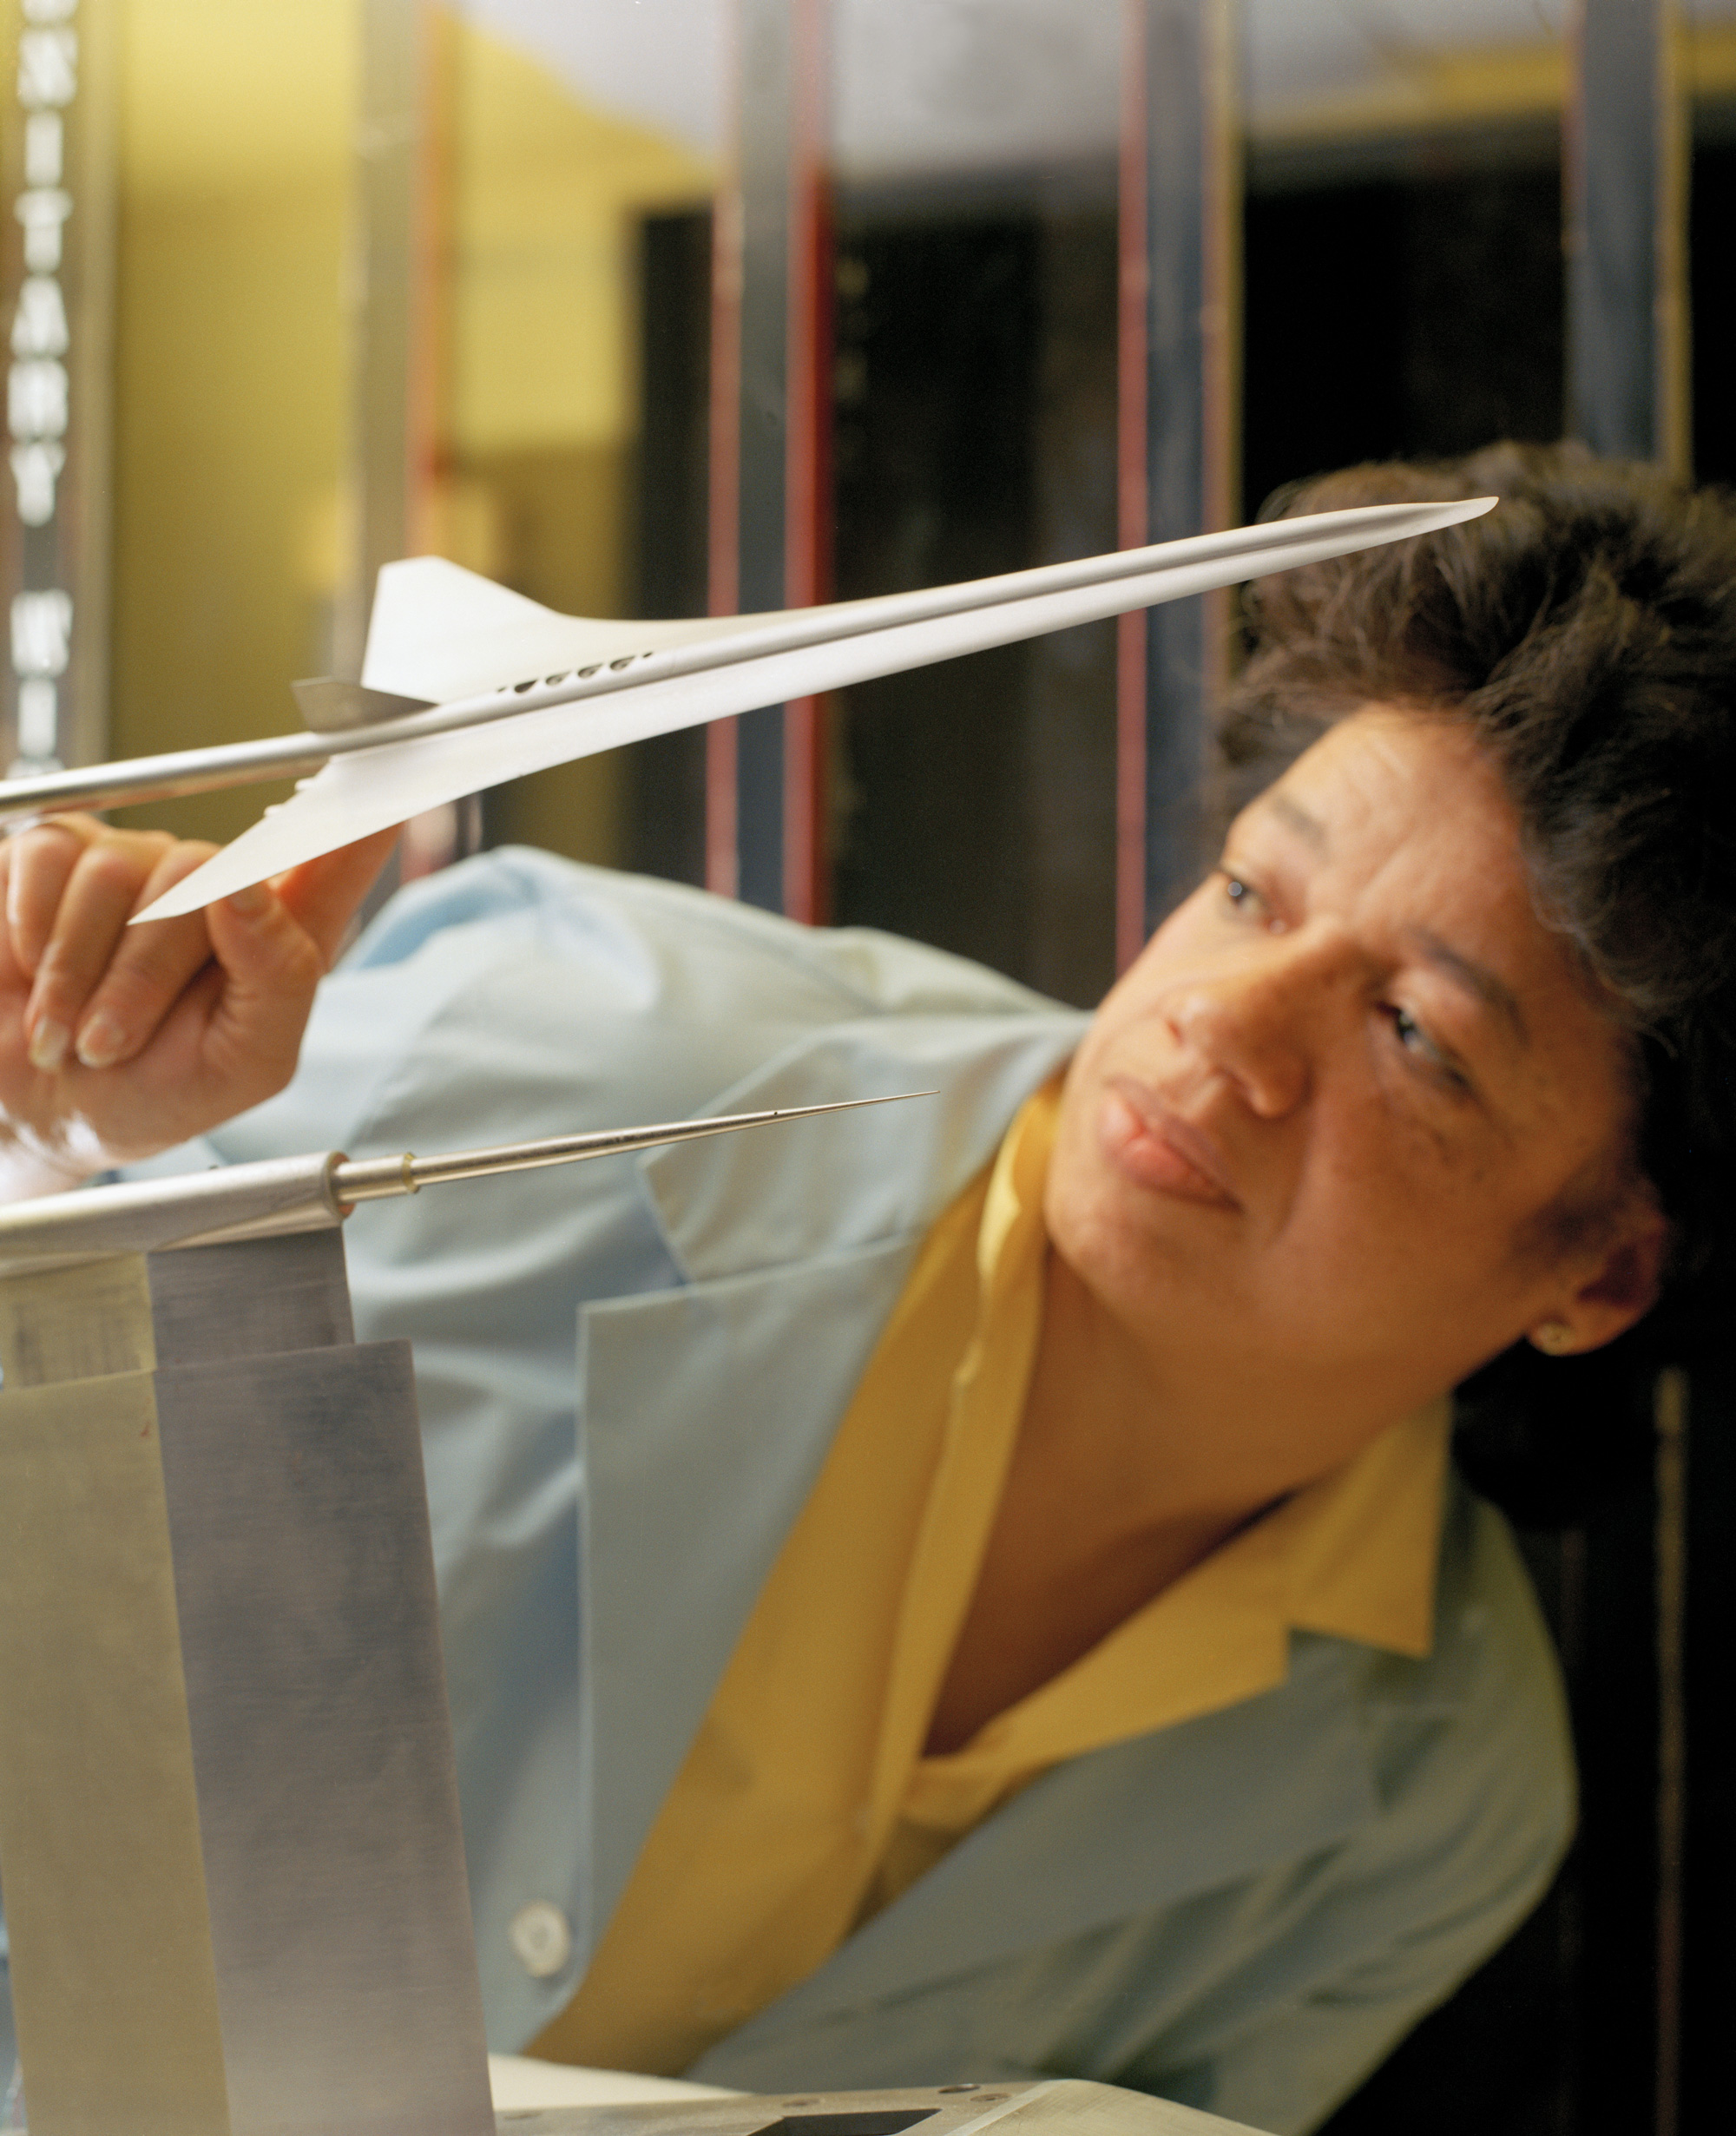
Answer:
(282, 1194)
(376, 1178)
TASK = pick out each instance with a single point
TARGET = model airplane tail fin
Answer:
(331, 707)
(439, 633)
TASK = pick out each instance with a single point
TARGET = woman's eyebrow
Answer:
(1489, 988)
(1295, 818)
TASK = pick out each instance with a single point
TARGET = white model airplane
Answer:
(466, 685)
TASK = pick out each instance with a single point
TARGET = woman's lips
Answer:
(1156, 1149)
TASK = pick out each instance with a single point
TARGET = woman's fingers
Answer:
(270, 967)
(325, 894)
(37, 863)
(147, 971)
(99, 895)
(274, 945)
(124, 1039)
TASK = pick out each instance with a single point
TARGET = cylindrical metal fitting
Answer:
(140, 1216)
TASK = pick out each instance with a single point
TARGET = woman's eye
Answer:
(1249, 903)
(1416, 1041)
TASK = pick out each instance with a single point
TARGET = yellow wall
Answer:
(231, 389)
(543, 192)
(232, 379)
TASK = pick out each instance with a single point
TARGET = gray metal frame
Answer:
(1625, 182)
(1181, 203)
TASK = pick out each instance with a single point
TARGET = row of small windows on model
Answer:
(573, 674)
(38, 393)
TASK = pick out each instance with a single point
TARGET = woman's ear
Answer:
(1620, 1290)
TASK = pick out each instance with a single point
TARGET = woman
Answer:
(1025, 1623)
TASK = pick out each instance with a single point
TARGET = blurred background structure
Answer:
(648, 306)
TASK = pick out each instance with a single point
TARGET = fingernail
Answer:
(251, 901)
(102, 1041)
(48, 1043)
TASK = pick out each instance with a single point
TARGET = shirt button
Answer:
(541, 1938)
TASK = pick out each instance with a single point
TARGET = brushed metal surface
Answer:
(304, 1580)
(127, 1311)
(81, 1322)
(114, 1986)
(256, 1299)
(277, 1195)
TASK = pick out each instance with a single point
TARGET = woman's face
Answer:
(1325, 1123)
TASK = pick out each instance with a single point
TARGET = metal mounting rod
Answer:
(376, 1178)
(282, 1194)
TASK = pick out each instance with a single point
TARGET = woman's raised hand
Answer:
(118, 1042)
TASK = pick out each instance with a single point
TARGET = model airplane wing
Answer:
(575, 686)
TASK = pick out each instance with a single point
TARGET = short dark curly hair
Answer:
(1586, 631)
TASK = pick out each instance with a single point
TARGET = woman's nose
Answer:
(1251, 1022)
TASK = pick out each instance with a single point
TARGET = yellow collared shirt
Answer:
(806, 1803)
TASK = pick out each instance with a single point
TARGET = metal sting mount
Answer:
(229, 1833)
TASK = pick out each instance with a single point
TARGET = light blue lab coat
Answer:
(629, 1375)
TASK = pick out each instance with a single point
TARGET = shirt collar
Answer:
(1356, 1550)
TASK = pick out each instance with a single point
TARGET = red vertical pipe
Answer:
(723, 548)
(1133, 508)
(807, 472)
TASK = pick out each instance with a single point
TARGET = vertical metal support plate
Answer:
(79, 1322)
(333, 1862)
(258, 1298)
(228, 1814)
(127, 1311)
(114, 1991)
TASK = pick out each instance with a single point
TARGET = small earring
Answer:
(1553, 1338)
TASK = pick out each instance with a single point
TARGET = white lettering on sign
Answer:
(35, 399)
(39, 323)
(41, 211)
(47, 68)
(36, 468)
(38, 727)
(45, 148)
(41, 632)
(38, 389)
